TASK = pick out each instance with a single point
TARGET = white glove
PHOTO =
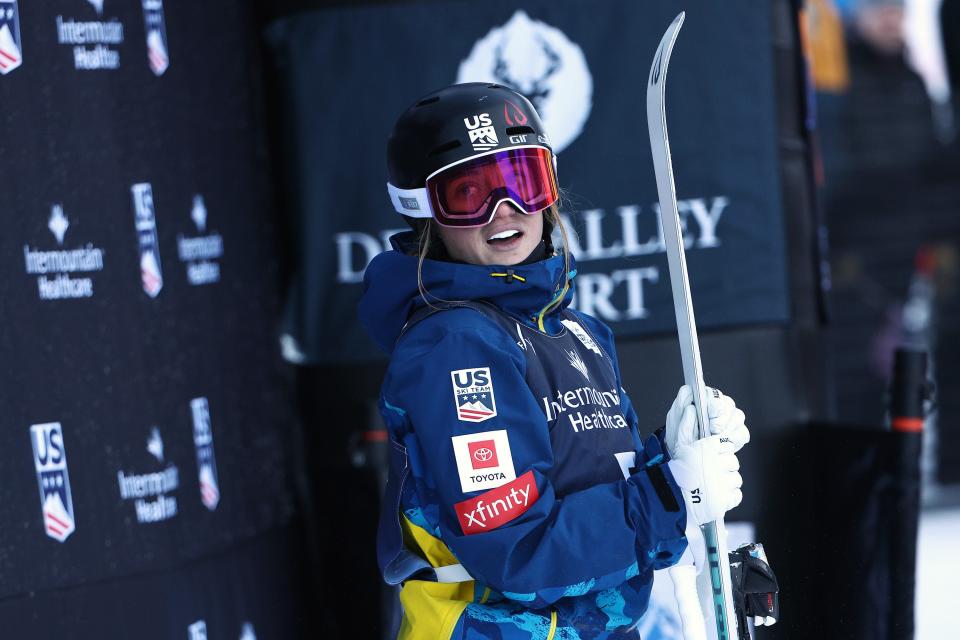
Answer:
(725, 420)
(708, 473)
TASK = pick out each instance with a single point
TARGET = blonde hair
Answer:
(426, 239)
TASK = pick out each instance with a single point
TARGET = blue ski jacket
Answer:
(522, 502)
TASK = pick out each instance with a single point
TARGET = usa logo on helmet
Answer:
(50, 461)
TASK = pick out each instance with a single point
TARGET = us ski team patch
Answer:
(473, 394)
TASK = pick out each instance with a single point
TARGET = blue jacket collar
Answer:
(532, 293)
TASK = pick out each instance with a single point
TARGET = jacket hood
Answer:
(390, 293)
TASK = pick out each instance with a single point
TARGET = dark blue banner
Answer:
(347, 74)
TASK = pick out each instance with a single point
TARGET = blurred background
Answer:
(190, 193)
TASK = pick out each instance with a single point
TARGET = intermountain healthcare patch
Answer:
(473, 394)
(11, 49)
(50, 461)
(483, 460)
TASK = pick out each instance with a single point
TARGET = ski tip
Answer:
(662, 56)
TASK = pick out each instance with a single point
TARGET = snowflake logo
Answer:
(577, 363)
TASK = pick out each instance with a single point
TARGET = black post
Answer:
(908, 390)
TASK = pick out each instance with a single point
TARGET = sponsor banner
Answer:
(50, 462)
(11, 48)
(145, 222)
(721, 113)
(483, 460)
(497, 507)
(473, 394)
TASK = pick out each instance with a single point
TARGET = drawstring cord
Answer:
(510, 275)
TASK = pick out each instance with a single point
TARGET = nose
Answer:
(506, 209)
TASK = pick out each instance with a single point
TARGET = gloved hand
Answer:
(725, 420)
(708, 473)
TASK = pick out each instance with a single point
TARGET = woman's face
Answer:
(509, 239)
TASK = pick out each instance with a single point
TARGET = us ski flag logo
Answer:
(50, 461)
(11, 55)
(473, 392)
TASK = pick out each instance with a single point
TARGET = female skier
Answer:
(522, 502)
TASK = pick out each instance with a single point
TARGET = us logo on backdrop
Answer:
(206, 461)
(156, 29)
(543, 64)
(146, 224)
(50, 461)
(11, 50)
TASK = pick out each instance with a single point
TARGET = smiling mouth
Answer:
(505, 236)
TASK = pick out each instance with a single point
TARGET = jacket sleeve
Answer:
(519, 538)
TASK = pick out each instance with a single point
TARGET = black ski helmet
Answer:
(443, 127)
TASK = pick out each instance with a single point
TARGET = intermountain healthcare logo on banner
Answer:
(206, 461)
(200, 253)
(62, 262)
(146, 225)
(11, 50)
(152, 492)
(543, 64)
(50, 460)
(156, 29)
(95, 42)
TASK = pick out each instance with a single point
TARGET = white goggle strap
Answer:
(412, 203)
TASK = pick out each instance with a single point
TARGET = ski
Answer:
(713, 586)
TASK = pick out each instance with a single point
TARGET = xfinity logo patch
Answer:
(11, 49)
(483, 460)
(543, 64)
(50, 461)
(483, 137)
(497, 507)
(473, 394)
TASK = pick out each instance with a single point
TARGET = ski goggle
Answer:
(467, 193)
